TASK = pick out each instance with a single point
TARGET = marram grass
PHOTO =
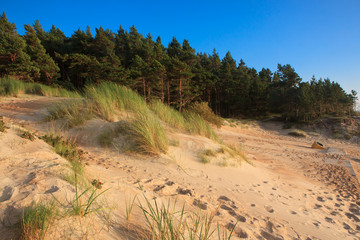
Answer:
(14, 87)
(149, 134)
(109, 98)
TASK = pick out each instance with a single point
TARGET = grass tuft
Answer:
(14, 87)
(196, 125)
(166, 222)
(109, 99)
(203, 109)
(36, 220)
(74, 112)
(67, 149)
(168, 114)
(28, 135)
(149, 134)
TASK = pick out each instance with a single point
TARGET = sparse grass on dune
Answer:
(14, 87)
(149, 134)
(169, 115)
(109, 98)
(36, 220)
(206, 113)
(67, 149)
(75, 112)
(196, 125)
(166, 222)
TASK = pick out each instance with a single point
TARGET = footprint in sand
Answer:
(7, 194)
(329, 220)
(269, 209)
(317, 206)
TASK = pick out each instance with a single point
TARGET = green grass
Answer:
(164, 221)
(168, 114)
(196, 125)
(14, 87)
(36, 220)
(109, 99)
(75, 112)
(149, 134)
(203, 109)
(67, 149)
(28, 135)
(205, 154)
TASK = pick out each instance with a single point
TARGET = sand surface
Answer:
(288, 192)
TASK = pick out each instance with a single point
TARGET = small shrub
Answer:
(36, 220)
(149, 134)
(203, 109)
(28, 135)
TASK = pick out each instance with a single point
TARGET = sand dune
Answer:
(288, 192)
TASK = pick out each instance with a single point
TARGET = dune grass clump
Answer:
(234, 152)
(75, 112)
(196, 125)
(36, 220)
(67, 149)
(205, 154)
(14, 87)
(28, 135)
(164, 221)
(149, 134)
(168, 114)
(109, 98)
(11, 87)
(203, 109)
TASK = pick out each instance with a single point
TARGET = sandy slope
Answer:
(288, 193)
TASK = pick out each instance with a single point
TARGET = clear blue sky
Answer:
(314, 36)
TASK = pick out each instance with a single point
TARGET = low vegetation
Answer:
(13, 87)
(206, 113)
(168, 114)
(108, 99)
(196, 125)
(67, 149)
(28, 135)
(226, 152)
(36, 220)
(3, 126)
(164, 221)
(149, 134)
(74, 112)
(297, 133)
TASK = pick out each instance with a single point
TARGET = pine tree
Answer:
(13, 59)
(41, 60)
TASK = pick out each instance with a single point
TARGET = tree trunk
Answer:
(180, 94)
(144, 88)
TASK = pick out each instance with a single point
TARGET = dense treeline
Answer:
(177, 75)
